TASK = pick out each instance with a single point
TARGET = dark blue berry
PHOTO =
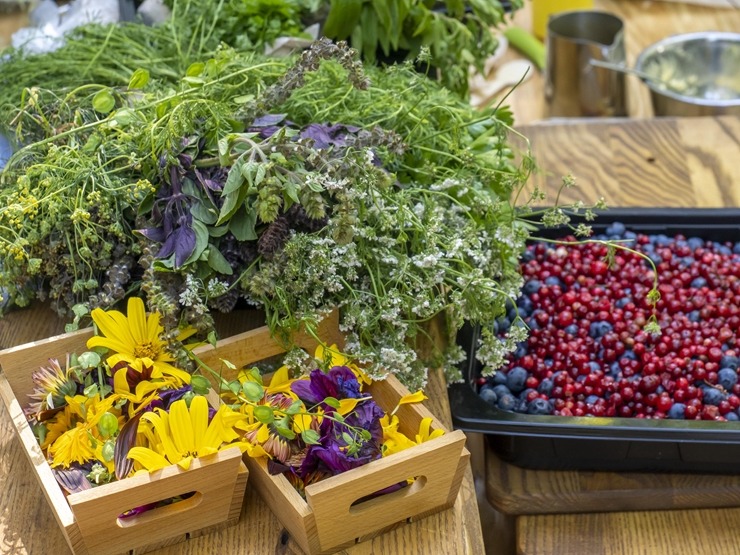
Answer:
(532, 286)
(729, 362)
(488, 395)
(713, 396)
(515, 379)
(698, 282)
(539, 406)
(571, 329)
(553, 280)
(501, 390)
(616, 230)
(591, 399)
(694, 316)
(507, 402)
(727, 378)
(598, 329)
(545, 387)
(499, 378)
(732, 416)
(677, 411)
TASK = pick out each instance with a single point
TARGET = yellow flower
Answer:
(74, 436)
(395, 441)
(334, 357)
(135, 339)
(184, 434)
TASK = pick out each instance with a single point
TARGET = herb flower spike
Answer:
(135, 340)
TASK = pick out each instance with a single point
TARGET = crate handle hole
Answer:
(390, 493)
(159, 509)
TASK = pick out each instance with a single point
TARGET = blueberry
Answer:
(724, 250)
(695, 242)
(499, 378)
(515, 379)
(532, 286)
(727, 378)
(507, 402)
(656, 258)
(676, 412)
(527, 256)
(488, 395)
(736, 248)
(521, 350)
(545, 386)
(732, 417)
(629, 354)
(525, 306)
(523, 394)
(616, 229)
(729, 362)
(598, 329)
(661, 239)
(630, 235)
(503, 324)
(594, 366)
(501, 390)
(539, 406)
(713, 396)
(621, 303)
(694, 316)
(553, 280)
(698, 282)
(591, 399)
(571, 329)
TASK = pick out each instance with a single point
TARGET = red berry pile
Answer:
(588, 352)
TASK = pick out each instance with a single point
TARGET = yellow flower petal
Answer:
(151, 460)
(424, 434)
(347, 405)
(181, 427)
(120, 383)
(301, 423)
(163, 431)
(137, 322)
(199, 419)
(417, 397)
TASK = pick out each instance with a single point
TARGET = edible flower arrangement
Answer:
(319, 424)
(131, 404)
(102, 417)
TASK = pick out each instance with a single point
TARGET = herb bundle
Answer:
(299, 186)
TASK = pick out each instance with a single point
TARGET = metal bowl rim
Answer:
(709, 36)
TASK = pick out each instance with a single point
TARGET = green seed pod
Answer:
(108, 424)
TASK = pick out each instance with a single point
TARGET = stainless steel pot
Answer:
(695, 74)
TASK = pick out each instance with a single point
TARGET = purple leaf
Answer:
(125, 441)
(73, 480)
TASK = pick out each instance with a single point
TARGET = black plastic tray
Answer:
(614, 444)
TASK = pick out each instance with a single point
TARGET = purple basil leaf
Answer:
(125, 441)
(73, 480)
(268, 120)
(155, 234)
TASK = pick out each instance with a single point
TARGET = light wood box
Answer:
(89, 519)
(330, 519)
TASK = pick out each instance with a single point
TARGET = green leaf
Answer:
(243, 223)
(195, 69)
(200, 384)
(194, 81)
(139, 79)
(218, 231)
(290, 189)
(253, 391)
(201, 241)
(218, 262)
(294, 408)
(287, 433)
(332, 402)
(343, 18)
(88, 359)
(310, 437)
(264, 414)
(103, 101)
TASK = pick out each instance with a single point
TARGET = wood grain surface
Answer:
(646, 22)
(697, 532)
(688, 162)
(517, 491)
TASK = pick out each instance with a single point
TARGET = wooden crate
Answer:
(330, 518)
(89, 519)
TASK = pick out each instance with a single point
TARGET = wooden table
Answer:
(27, 526)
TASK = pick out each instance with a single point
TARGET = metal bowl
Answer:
(694, 74)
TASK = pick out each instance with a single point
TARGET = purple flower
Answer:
(339, 382)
